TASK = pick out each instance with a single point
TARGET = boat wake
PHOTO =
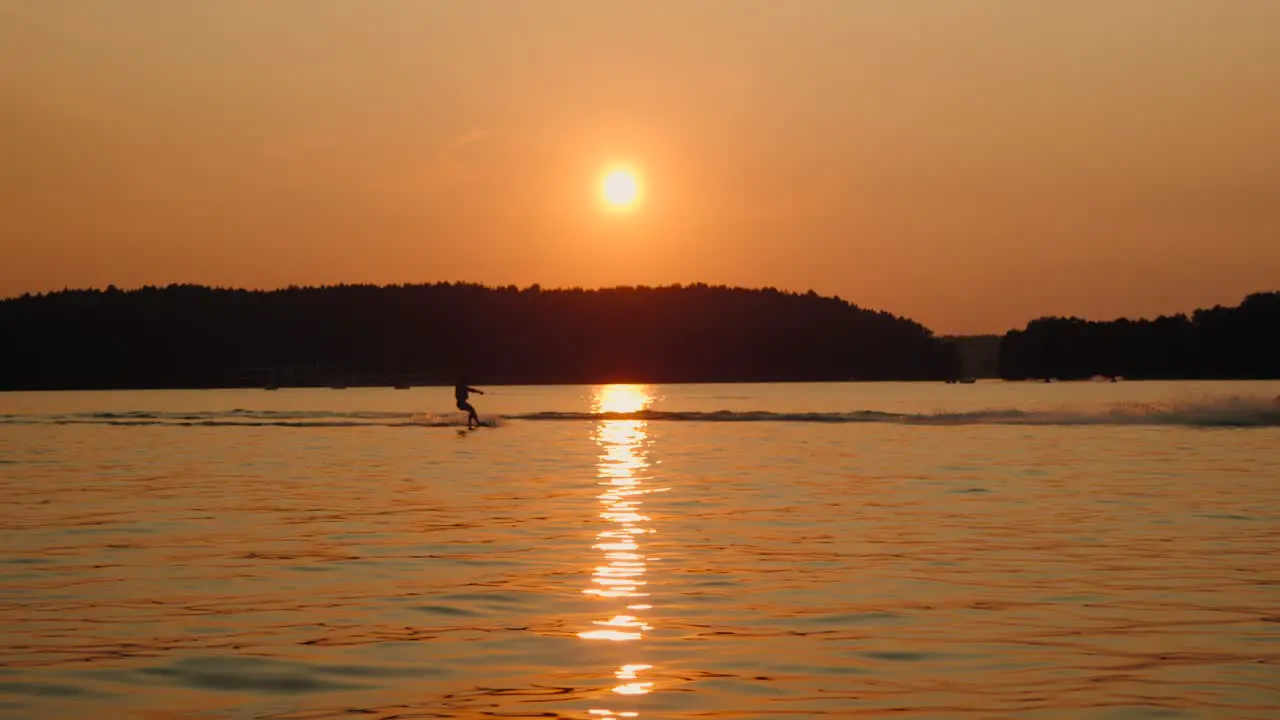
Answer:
(1232, 412)
(1236, 411)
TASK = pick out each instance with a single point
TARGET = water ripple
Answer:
(739, 570)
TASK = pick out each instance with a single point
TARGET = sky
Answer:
(970, 164)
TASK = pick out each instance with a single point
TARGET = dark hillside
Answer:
(192, 336)
(1240, 342)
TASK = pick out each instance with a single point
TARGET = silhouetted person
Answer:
(461, 392)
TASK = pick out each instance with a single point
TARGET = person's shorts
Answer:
(466, 406)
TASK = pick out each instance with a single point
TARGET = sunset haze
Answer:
(971, 165)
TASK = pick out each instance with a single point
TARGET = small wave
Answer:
(237, 413)
(716, 416)
(197, 423)
(1244, 415)
(244, 418)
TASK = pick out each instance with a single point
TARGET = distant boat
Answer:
(402, 387)
(271, 387)
(967, 381)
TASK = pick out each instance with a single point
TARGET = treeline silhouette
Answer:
(1220, 343)
(195, 336)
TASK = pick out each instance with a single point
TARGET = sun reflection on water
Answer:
(621, 398)
(622, 472)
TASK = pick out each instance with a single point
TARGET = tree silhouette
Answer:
(194, 336)
(1240, 342)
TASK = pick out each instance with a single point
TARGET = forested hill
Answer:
(192, 336)
(1236, 342)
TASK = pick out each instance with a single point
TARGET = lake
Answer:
(918, 550)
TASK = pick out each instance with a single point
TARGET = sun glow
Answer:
(620, 189)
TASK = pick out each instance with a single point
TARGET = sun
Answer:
(620, 189)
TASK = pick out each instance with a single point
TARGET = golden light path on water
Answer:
(620, 581)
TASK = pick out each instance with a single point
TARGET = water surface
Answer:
(737, 551)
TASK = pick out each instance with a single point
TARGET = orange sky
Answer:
(970, 164)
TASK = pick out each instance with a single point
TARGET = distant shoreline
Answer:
(195, 337)
(446, 386)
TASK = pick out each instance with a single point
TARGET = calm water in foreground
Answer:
(733, 551)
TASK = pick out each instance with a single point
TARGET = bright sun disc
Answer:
(620, 189)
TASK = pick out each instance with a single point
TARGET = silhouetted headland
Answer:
(1240, 342)
(192, 336)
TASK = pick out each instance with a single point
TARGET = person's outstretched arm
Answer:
(475, 390)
